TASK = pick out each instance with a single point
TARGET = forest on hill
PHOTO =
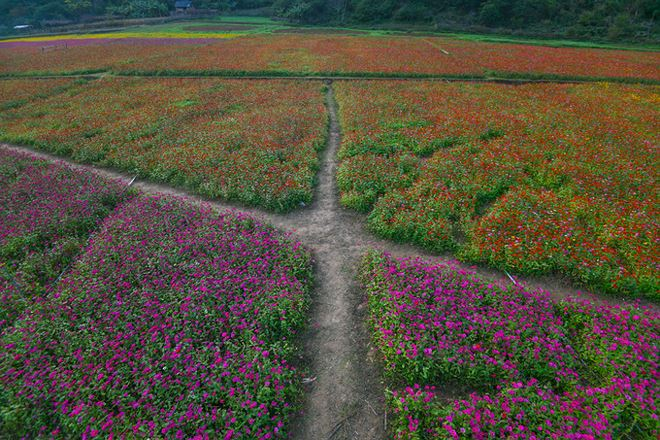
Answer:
(612, 19)
(617, 20)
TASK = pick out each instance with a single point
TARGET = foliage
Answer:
(175, 322)
(139, 8)
(167, 130)
(612, 19)
(525, 178)
(37, 11)
(308, 11)
(537, 367)
(47, 214)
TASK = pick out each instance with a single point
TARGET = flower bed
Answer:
(47, 212)
(14, 93)
(176, 322)
(256, 142)
(537, 367)
(290, 54)
(537, 179)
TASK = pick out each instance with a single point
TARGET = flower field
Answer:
(536, 179)
(318, 54)
(17, 92)
(469, 359)
(307, 54)
(195, 133)
(47, 212)
(132, 314)
(403, 55)
(532, 60)
(175, 322)
(76, 57)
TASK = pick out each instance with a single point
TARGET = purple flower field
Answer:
(537, 367)
(173, 322)
(47, 212)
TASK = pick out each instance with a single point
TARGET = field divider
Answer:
(488, 77)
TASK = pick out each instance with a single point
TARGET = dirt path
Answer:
(476, 78)
(344, 397)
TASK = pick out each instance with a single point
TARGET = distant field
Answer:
(256, 142)
(321, 54)
(54, 57)
(536, 179)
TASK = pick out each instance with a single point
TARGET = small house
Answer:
(183, 5)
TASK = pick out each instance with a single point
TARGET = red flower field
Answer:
(536, 179)
(195, 133)
(330, 54)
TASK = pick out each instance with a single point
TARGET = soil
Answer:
(344, 395)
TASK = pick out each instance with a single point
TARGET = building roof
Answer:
(183, 4)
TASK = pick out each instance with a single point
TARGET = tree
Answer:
(370, 10)
(139, 8)
(307, 11)
(78, 6)
(495, 13)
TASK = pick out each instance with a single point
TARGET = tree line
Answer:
(604, 19)
(611, 19)
(38, 12)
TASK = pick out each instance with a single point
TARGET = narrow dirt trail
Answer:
(344, 401)
(476, 78)
(344, 395)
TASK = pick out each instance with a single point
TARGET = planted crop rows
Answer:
(528, 366)
(254, 142)
(174, 321)
(536, 179)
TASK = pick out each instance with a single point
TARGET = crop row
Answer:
(469, 359)
(327, 53)
(255, 142)
(173, 321)
(536, 179)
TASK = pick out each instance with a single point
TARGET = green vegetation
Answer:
(612, 20)
(45, 13)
